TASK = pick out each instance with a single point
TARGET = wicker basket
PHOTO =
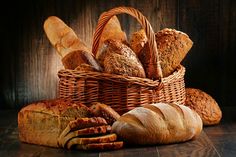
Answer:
(122, 93)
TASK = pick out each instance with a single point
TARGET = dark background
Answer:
(29, 64)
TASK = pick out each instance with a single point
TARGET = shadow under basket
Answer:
(122, 93)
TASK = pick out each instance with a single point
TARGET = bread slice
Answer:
(42, 122)
(89, 140)
(92, 131)
(81, 123)
(101, 146)
(105, 111)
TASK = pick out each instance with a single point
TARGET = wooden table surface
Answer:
(219, 140)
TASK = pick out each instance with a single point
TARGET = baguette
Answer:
(71, 49)
(159, 123)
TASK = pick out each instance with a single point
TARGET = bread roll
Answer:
(42, 122)
(204, 105)
(105, 111)
(172, 47)
(71, 49)
(159, 123)
(117, 58)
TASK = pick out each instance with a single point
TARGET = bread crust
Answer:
(161, 123)
(204, 105)
(172, 46)
(101, 146)
(42, 122)
(117, 58)
(89, 140)
(105, 111)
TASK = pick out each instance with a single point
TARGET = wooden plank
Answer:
(223, 135)
(199, 147)
(224, 143)
(227, 124)
(150, 151)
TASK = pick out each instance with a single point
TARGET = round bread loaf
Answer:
(204, 105)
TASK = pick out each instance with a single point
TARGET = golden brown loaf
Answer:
(138, 41)
(42, 122)
(71, 49)
(204, 105)
(117, 58)
(62, 37)
(158, 123)
(112, 30)
(172, 47)
(105, 111)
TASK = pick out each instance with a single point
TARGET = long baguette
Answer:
(71, 49)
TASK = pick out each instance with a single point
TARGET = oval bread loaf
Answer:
(172, 47)
(158, 123)
(204, 105)
(118, 58)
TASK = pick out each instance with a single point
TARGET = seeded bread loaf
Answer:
(172, 47)
(204, 105)
(118, 58)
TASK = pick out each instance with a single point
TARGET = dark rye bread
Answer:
(42, 122)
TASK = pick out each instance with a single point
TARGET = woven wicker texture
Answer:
(123, 93)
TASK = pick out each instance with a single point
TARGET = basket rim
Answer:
(179, 73)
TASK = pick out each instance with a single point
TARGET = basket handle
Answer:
(154, 68)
